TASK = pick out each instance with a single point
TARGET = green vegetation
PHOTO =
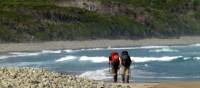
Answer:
(44, 20)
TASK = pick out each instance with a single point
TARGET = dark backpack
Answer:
(125, 59)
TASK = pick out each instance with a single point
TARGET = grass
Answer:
(42, 20)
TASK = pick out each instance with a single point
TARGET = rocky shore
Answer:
(41, 78)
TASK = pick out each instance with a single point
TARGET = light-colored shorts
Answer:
(126, 71)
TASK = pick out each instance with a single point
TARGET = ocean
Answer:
(151, 63)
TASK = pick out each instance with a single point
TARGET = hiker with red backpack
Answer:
(125, 62)
(115, 63)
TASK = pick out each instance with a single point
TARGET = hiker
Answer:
(114, 62)
(125, 62)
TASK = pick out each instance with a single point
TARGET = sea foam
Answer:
(195, 45)
(163, 50)
(147, 59)
(94, 59)
(101, 74)
(102, 59)
(66, 58)
(18, 54)
(51, 51)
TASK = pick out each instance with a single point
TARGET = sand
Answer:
(53, 45)
(139, 85)
(180, 84)
(194, 84)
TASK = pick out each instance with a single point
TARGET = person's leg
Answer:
(115, 78)
(123, 78)
(114, 71)
(123, 75)
(127, 75)
(127, 79)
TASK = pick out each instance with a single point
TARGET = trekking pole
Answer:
(109, 67)
(132, 69)
(130, 73)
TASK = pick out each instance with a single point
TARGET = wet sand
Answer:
(139, 85)
(53, 45)
(195, 84)
(189, 84)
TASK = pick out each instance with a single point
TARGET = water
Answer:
(151, 63)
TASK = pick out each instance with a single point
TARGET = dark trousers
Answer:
(115, 69)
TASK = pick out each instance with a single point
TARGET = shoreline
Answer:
(42, 78)
(55, 45)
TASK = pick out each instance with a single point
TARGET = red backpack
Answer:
(114, 58)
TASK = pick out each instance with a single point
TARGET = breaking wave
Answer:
(26, 54)
(163, 50)
(113, 48)
(51, 51)
(101, 59)
(66, 58)
(94, 59)
(18, 54)
(101, 74)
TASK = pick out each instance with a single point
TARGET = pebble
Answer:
(41, 78)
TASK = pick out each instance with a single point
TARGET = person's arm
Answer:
(131, 61)
(110, 59)
(120, 62)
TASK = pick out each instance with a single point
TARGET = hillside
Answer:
(54, 20)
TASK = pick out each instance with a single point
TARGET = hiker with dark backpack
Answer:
(114, 62)
(125, 62)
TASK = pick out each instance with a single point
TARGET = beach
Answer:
(40, 78)
(54, 45)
